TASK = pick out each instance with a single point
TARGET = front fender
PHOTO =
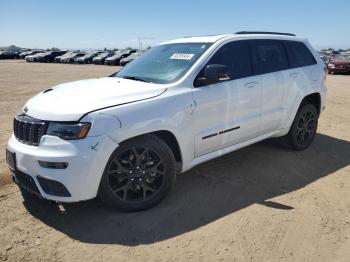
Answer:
(173, 113)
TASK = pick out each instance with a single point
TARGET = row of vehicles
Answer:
(93, 57)
(72, 57)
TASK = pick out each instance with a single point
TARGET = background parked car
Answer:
(58, 58)
(48, 57)
(71, 58)
(33, 58)
(129, 58)
(87, 58)
(9, 54)
(118, 55)
(339, 64)
(100, 59)
(29, 52)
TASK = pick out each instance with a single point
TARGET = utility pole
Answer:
(141, 39)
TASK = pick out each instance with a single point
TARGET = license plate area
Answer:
(11, 160)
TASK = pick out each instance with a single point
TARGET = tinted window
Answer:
(299, 55)
(236, 56)
(268, 56)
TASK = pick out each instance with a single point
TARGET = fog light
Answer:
(54, 165)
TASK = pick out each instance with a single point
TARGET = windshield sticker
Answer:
(182, 56)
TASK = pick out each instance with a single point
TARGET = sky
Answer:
(87, 24)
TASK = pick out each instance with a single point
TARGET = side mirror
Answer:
(213, 73)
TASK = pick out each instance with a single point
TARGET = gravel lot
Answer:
(261, 203)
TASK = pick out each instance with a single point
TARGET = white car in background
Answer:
(124, 138)
(35, 57)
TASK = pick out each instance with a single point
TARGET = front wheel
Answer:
(139, 174)
(304, 127)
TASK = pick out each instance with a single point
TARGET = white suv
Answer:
(125, 137)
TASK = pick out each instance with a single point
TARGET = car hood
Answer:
(70, 101)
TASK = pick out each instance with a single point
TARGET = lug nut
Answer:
(137, 167)
(130, 172)
(140, 179)
(132, 179)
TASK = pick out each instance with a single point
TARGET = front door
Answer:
(227, 112)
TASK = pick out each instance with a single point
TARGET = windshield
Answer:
(87, 55)
(342, 58)
(165, 63)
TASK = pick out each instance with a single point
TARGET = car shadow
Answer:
(206, 193)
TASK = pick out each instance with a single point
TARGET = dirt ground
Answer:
(261, 203)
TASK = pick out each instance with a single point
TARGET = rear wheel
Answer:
(304, 127)
(139, 174)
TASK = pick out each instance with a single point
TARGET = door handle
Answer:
(251, 84)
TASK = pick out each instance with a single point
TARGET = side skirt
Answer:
(200, 159)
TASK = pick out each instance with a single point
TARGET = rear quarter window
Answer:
(268, 56)
(299, 55)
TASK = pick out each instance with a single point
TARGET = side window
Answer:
(236, 56)
(268, 56)
(299, 55)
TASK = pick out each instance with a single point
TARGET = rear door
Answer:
(304, 73)
(301, 57)
(271, 63)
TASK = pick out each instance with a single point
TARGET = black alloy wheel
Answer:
(304, 128)
(139, 174)
(136, 174)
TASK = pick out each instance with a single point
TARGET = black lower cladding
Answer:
(27, 182)
(52, 187)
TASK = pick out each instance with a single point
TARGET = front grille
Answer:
(29, 130)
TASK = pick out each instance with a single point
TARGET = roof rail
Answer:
(261, 32)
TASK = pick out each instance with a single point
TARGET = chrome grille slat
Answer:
(29, 130)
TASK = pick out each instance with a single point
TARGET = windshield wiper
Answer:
(136, 78)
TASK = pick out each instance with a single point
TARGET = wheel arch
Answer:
(314, 99)
(170, 139)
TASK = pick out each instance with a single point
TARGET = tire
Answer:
(139, 174)
(303, 129)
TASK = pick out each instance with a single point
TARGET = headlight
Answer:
(331, 65)
(68, 131)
